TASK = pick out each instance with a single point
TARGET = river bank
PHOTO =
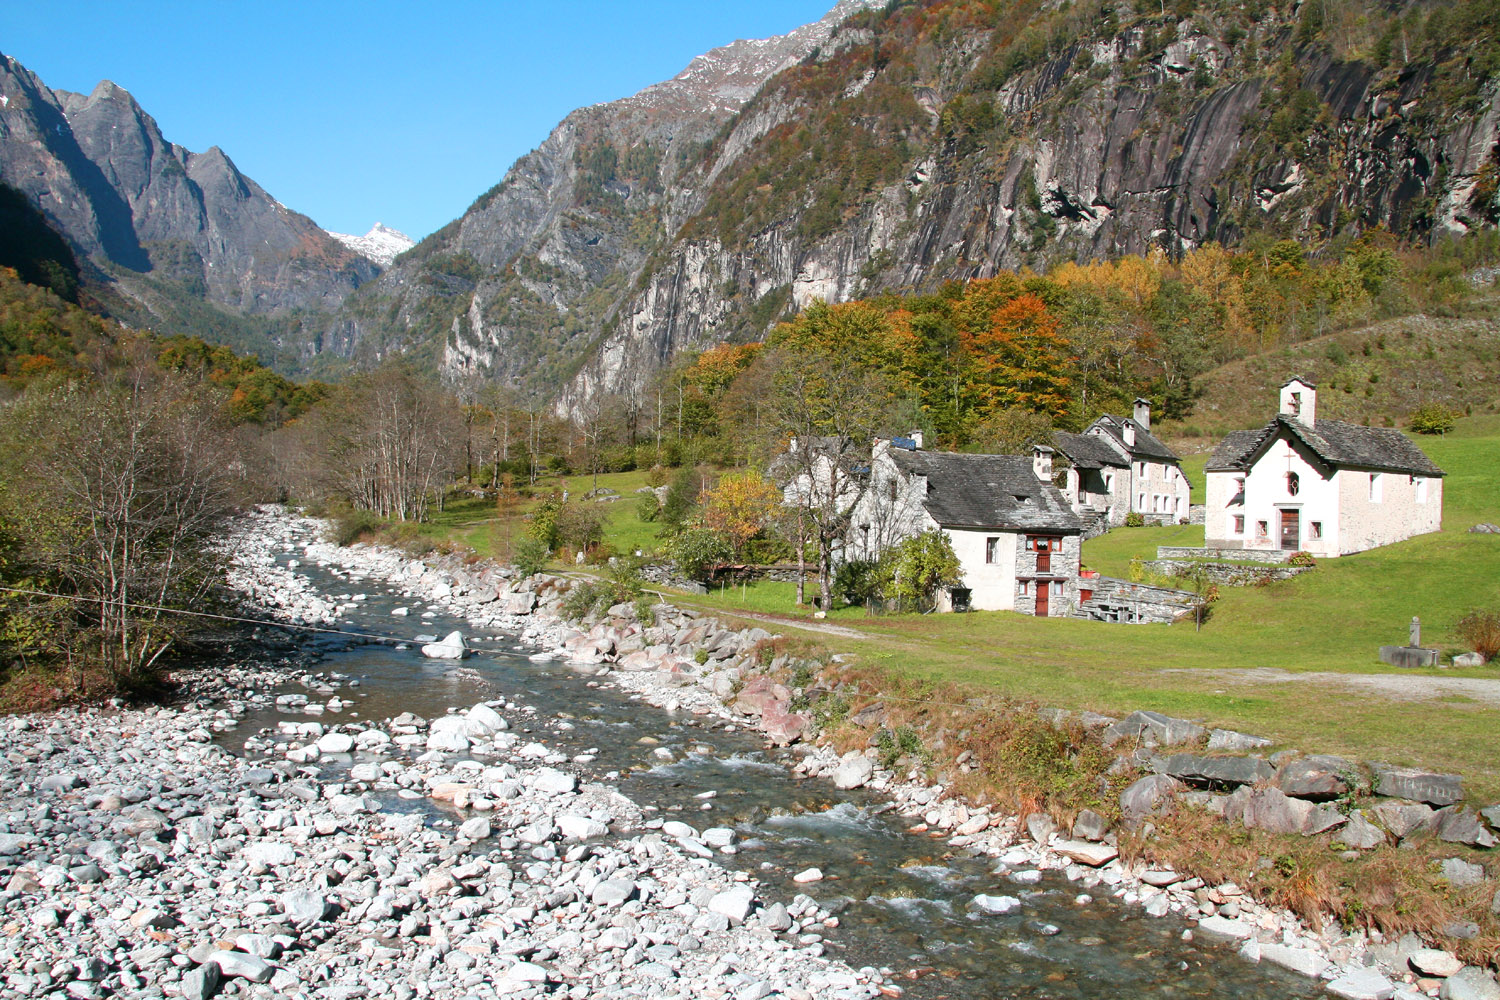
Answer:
(683, 661)
(462, 854)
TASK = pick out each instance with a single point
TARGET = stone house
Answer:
(1301, 483)
(1117, 467)
(1015, 534)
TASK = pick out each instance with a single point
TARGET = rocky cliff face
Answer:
(164, 223)
(519, 287)
(900, 148)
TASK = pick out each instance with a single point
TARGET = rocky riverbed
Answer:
(470, 854)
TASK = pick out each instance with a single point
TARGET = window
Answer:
(1239, 490)
(1140, 469)
(1420, 485)
(1262, 529)
(1296, 403)
(1239, 524)
(992, 550)
(1315, 529)
(1057, 588)
(1025, 587)
(1377, 486)
(1140, 501)
(1293, 483)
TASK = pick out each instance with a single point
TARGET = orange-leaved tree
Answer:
(1021, 359)
(740, 507)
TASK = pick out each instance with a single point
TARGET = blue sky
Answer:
(401, 112)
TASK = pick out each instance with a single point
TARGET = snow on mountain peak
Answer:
(382, 244)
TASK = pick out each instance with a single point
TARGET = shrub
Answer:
(647, 508)
(580, 525)
(696, 550)
(1434, 418)
(857, 582)
(346, 525)
(529, 555)
(914, 570)
(1480, 631)
(1302, 559)
(1135, 519)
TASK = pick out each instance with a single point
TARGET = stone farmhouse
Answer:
(1302, 483)
(1015, 534)
(1117, 467)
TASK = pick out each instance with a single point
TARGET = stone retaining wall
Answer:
(1224, 574)
(1134, 603)
(1268, 556)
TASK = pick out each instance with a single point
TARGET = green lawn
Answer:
(1331, 620)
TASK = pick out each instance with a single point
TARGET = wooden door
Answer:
(1043, 592)
(1291, 535)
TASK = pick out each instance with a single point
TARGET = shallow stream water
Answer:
(902, 896)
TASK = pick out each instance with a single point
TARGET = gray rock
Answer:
(60, 783)
(1420, 786)
(1318, 777)
(1492, 814)
(13, 843)
(1403, 819)
(270, 853)
(1434, 962)
(1041, 827)
(476, 829)
(335, 743)
(1089, 825)
(1228, 739)
(1223, 927)
(776, 918)
(574, 827)
(612, 892)
(1362, 984)
(1460, 825)
(1360, 833)
(1304, 961)
(1215, 772)
(1269, 809)
(1462, 930)
(201, 983)
(1461, 874)
(304, 906)
(1470, 659)
(1153, 729)
(733, 903)
(996, 904)
(242, 965)
(854, 770)
(551, 781)
(1086, 852)
(1470, 983)
(1495, 903)
(1150, 796)
(1485, 528)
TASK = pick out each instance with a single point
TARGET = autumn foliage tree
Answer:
(1020, 360)
(740, 507)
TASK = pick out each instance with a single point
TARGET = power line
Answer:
(232, 618)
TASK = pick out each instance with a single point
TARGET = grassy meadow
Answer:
(1251, 666)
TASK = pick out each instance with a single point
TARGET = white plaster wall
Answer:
(992, 586)
(1397, 516)
(889, 519)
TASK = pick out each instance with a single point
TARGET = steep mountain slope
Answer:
(933, 141)
(948, 142)
(172, 229)
(519, 286)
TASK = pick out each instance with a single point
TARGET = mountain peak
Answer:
(382, 244)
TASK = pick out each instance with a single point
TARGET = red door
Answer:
(1043, 590)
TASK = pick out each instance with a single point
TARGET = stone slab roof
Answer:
(1147, 445)
(1338, 443)
(987, 491)
(1089, 451)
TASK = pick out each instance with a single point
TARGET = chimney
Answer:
(1128, 431)
(916, 436)
(1041, 462)
(1299, 401)
(1143, 413)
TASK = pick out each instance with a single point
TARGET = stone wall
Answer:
(1116, 600)
(1267, 556)
(1224, 574)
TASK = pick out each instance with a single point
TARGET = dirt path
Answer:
(1396, 687)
